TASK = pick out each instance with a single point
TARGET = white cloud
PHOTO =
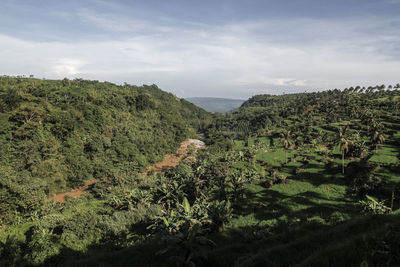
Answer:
(233, 60)
(67, 67)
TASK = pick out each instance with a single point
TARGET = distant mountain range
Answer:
(212, 104)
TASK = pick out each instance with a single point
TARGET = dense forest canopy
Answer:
(57, 134)
(308, 179)
(263, 112)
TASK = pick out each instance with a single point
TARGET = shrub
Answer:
(219, 212)
(362, 178)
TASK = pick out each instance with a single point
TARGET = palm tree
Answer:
(378, 138)
(344, 143)
(286, 138)
(369, 119)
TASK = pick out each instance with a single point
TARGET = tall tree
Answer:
(378, 138)
(286, 138)
(344, 143)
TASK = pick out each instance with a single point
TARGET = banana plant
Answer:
(184, 237)
(238, 182)
(374, 206)
(220, 212)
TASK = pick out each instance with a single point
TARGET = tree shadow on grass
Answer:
(269, 203)
(315, 178)
(308, 244)
(109, 255)
(301, 206)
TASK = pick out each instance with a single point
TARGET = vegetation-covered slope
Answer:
(58, 134)
(212, 104)
(302, 179)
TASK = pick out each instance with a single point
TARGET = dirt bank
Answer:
(76, 192)
(169, 162)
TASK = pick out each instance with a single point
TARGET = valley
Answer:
(199, 133)
(308, 179)
(219, 105)
(169, 162)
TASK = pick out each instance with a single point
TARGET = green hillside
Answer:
(219, 105)
(307, 179)
(58, 134)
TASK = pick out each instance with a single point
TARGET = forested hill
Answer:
(55, 134)
(264, 112)
(267, 100)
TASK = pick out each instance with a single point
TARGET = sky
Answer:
(216, 48)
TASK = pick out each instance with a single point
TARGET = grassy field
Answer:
(310, 221)
(313, 217)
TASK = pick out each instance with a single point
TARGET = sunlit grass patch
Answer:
(385, 155)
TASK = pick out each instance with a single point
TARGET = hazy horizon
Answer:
(228, 49)
(214, 97)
